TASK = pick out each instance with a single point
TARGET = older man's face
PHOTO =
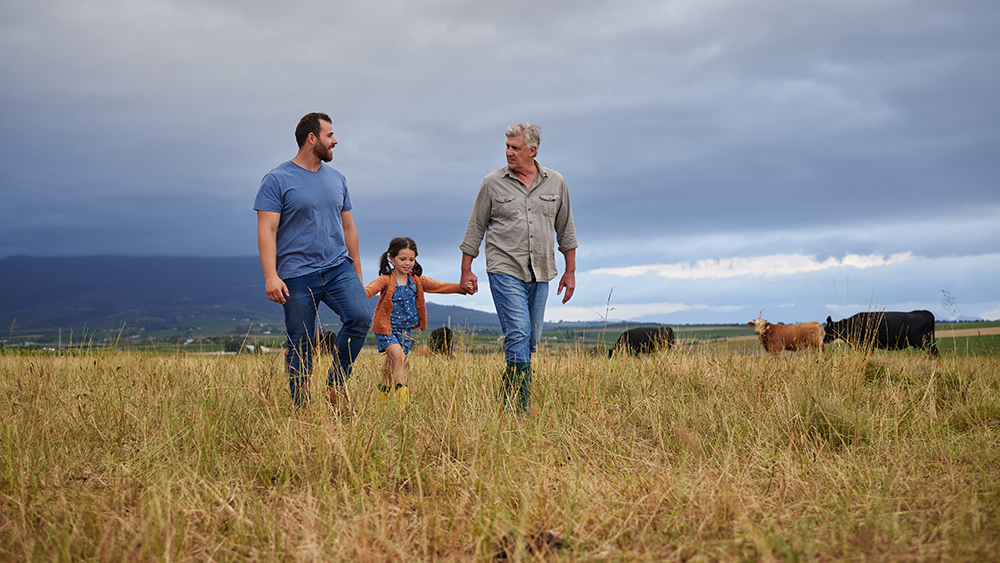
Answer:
(519, 157)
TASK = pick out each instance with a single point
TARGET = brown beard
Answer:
(324, 155)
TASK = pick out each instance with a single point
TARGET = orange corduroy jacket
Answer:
(386, 286)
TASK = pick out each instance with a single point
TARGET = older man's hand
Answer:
(469, 283)
(567, 282)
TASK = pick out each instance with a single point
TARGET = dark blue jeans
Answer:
(340, 288)
(521, 309)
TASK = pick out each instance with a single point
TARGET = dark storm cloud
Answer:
(688, 131)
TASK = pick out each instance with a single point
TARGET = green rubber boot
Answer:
(515, 389)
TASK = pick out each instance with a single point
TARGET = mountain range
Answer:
(156, 293)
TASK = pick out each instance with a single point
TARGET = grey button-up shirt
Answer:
(518, 223)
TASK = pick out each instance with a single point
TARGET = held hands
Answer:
(469, 283)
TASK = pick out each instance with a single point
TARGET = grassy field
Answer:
(700, 453)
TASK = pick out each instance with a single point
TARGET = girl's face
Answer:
(404, 260)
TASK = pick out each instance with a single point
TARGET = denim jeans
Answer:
(521, 308)
(340, 288)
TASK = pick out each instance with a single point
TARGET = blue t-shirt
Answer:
(311, 232)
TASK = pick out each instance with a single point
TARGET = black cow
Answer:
(888, 330)
(440, 340)
(324, 341)
(643, 340)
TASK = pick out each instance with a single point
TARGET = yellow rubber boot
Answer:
(403, 395)
(383, 396)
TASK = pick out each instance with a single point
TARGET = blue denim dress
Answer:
(404, 315)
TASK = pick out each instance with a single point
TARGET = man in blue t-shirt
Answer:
(309, 250)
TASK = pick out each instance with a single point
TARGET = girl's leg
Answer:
(387, 370)
(396, 364)
(385, 387)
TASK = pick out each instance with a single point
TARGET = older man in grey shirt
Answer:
(518, 208)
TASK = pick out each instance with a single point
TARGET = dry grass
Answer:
(684, 455)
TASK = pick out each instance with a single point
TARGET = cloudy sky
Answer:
(724, 157)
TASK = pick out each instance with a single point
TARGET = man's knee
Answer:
(358, 324)
(515, 334)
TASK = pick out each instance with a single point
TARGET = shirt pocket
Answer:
(549, 204)
(505, 206)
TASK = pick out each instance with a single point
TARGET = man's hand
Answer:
(469, 283)
(568, 282)
(276, 290)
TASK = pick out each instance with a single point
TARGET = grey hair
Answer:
(532, 133)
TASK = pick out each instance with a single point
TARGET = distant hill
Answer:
(157, 293)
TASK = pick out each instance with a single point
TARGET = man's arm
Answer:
(267, 245)
(475, 230)
(351, 239)
(468, 281)
(568, 279)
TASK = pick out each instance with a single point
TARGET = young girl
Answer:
(400, 309)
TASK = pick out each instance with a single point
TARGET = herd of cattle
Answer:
(886, 330)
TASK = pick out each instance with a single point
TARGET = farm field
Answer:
(969, 337)
(698, 453)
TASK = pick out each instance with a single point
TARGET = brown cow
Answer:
(778, 338)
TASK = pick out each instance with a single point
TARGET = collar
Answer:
(542, 171)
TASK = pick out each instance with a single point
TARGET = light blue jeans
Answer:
(521, 308)
(340, 288)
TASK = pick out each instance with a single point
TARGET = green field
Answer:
(970, 344)
(944, 327)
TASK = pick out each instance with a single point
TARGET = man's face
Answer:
(323, 149)
(519, 156)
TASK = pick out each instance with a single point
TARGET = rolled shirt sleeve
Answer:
(518, 224)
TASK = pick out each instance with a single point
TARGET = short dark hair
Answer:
(310, 124)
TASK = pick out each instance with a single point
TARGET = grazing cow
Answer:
(324, 341)
(887, 330)
(778, 338)
(643, 340)
(440, 340)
